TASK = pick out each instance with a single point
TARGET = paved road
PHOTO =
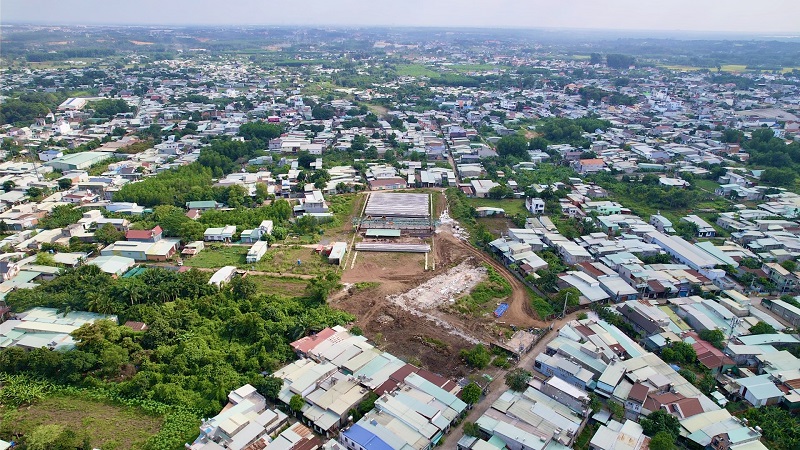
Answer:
(498, 387)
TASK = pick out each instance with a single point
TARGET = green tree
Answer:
(617, 410)
(322, 112)
(371, 152)
(662, 440)
(500, 191)
(658, 421)
(471, 394)
(109, 107)
(8, 185)
(778, 177)
(477, 357)
(517, 379)
(789, 265)
(107, 234)
(514, 145)
(679, 352)
(780, 429)
(472, 429)
(34, 192)
(243, 288)
(64, 183)
(296, 403)
(571, 295)
(268, 386)
(259, 130)
(762, 328)
(714, 337)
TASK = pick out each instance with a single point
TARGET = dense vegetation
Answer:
(781, 429)
(560, 130)
(25, 108)
(171, 187)
(782, 160)
(201, 342)
(108, 107)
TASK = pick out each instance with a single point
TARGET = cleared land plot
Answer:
(214, 257)
(284, 260)
(289, 287)
(108, 426)
(416, 70)
(733, 67)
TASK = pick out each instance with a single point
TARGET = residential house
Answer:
(244, 423)
(704, 229)
(534, 205)
(255, 235)
(220, 234)
(584, 166)
(203, 205)
(387, 184)
(153, 235)
(481, 188)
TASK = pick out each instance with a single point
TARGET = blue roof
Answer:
(366, 438)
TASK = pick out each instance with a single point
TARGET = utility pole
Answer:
(564, 311)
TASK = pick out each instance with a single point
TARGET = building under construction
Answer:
(408, 213)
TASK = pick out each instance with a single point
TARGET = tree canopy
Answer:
(514, 145)
(201, 341)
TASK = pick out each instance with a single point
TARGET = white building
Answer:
(257, 251)
(534, 205)
(223, 234)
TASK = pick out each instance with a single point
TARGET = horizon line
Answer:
(783, 34)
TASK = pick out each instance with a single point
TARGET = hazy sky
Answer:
(746, 16)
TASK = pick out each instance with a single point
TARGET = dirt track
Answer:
(519, 311)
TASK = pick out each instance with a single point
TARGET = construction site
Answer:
(402, 297)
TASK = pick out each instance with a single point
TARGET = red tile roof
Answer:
(675, 404)
(639, 392)
(306, 344)
(143, 234)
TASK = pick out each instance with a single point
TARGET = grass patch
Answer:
(107, 426)
(542, 307)
(216, 256)
(435, 343)
(473, 67)
(344, 208)
(733, 67)
(286, 286)
(416, 70)
(582, 441)
(512, 206)
(284, 259)
(478, 302)
(709, 185)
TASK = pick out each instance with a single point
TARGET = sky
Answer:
(774, 17)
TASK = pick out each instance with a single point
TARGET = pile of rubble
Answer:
(446, 221)
(441, 289)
